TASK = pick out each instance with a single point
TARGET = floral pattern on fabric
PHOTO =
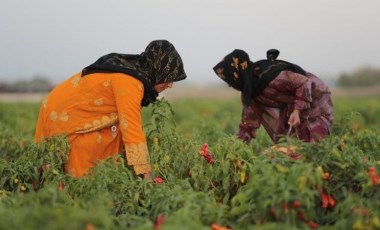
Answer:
(97, 125)
(99, 114)
(137, 154)
(274, 105)
(141, 169)
(159, 63)
(75, 80)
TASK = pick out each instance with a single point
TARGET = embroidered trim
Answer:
(98, 125)
(141, 169)
(75, 80)
(137, 154)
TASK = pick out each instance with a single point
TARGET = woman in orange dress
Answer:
(99, 108)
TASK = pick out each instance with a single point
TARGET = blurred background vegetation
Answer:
(365, 76)
(357, 91)
(34, 85)
(362, 77)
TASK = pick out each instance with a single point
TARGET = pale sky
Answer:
(58, 38)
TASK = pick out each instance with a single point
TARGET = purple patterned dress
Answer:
(272, 108)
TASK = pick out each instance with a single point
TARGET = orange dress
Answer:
(100, 113)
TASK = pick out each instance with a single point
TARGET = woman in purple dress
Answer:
(279, 95)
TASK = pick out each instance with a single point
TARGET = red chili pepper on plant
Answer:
(61, 186)
(160, 220)
(285, 207)
(206, 154)
(300, 215)
(33, 183)
(158, 180)
(375, 179)
(326, 176)
(273, 212)
(374, 176)
(372, 171)
(331, 201)
(296, 204)
(312, 224)
(327, 200)
(218, 227)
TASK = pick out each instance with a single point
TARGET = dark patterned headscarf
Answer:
(231, 69)
(251, 78)
(160, 63)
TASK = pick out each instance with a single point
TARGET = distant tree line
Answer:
(365, 76)
(37, 84)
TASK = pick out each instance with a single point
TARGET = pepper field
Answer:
(203, 177)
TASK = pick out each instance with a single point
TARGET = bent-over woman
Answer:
(99, 108)
(280, 96)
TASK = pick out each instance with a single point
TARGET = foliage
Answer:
(333, 184)
(22, 117)
(366, 76)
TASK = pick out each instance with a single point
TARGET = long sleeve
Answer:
(249, 124)
(128, 94)
(296, 84)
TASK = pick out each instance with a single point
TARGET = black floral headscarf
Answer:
(231, 69)
(251, 78)
(160, 63)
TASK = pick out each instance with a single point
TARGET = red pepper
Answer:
(33, 183)
(206, 154)
(331, 201)
(158, 180)
(300, 215)
(375, 179)
(296, 204)
(218, 227)
(312, 224)
(61, 186)
(325, 199)
(372, 171)
(160, 220)
(273, 212)
(285, 207)
(326, 176)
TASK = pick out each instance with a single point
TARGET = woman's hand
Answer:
(147, 176)
(244, 133)
(294, 119)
